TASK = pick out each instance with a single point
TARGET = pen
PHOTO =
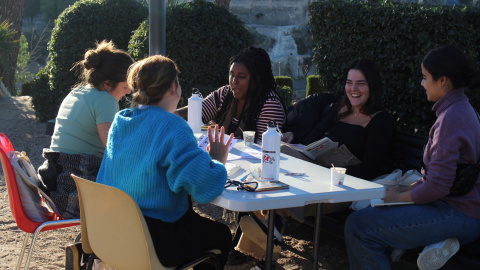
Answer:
(243, 179)
(295, 174)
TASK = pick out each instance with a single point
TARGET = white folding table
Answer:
(312, 188)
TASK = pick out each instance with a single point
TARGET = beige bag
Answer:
(37, 204)
(396, 178)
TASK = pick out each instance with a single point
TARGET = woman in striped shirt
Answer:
(250, 99)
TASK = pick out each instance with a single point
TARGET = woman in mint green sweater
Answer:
(152, 155)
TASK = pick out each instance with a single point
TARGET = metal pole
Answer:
(157, 25)
(316, 239)
(271, 228)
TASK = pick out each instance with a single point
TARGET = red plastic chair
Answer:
(23, 221)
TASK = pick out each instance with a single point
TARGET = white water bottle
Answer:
(195, 111)
(271, 153)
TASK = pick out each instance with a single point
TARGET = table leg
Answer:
(316, 240)
(271, 228)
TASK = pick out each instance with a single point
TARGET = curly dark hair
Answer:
(262, 82)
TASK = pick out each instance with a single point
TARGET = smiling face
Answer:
(433, 88)
(120, 90)
(356, 88)
(239, 80)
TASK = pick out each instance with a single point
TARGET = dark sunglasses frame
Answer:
(248, 186)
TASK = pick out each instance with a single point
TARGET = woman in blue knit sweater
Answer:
(152, 155)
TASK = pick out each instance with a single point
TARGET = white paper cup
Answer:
(337, 176)
(248, 137)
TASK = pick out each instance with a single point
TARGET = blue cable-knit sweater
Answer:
(153, 156)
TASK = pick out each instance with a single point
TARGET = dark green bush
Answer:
(43, 97)
(286, 93)
(76, 30)
(27, 88)
(396, 36)
(284, 81)
(314, 85)
(201, 39)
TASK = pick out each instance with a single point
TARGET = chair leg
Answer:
(32, 244)
(91, 261)
(22, 252)
(78, 238)
(215, 262)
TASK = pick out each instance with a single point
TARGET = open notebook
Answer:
(380, 202)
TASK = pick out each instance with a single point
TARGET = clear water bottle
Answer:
(271, 153)
(195, 111)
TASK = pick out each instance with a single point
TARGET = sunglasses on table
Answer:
(248, 186)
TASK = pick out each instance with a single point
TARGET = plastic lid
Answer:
(272, 123)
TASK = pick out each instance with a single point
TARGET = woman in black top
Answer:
(358, 121)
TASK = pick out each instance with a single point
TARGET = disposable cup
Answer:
(338, 175)
(248, 137)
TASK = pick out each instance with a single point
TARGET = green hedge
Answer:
(201, 39)
(286, 93)
(314, 85)
(396, 36)
(284, 81)
(76, 30)
(26, 88)
(43, 100)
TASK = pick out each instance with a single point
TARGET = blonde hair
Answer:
(151, 78)
(104, 63)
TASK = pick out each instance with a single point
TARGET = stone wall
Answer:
(3, 91)
(276, 24)
(282, 49)
(271, 12)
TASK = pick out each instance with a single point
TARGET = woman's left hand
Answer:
(217, 148)
(287, 137)
(392, 194)
(397, 194)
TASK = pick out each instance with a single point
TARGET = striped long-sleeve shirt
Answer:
(272, 110)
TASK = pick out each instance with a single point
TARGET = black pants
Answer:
(189, 237)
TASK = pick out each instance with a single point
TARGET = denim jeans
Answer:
(372, 233)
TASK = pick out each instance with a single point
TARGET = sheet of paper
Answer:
(231, 168)
(299, 146)
(232, 157)
(203, 142)
(250, 153)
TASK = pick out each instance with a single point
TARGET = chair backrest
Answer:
(23, 221)
(113, 227)
(5, 147)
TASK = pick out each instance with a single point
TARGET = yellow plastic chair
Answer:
(114, 229)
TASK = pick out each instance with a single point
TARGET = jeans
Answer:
(372, 233)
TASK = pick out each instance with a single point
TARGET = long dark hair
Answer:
(449, 61)
(374, 79)
(262, 82)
